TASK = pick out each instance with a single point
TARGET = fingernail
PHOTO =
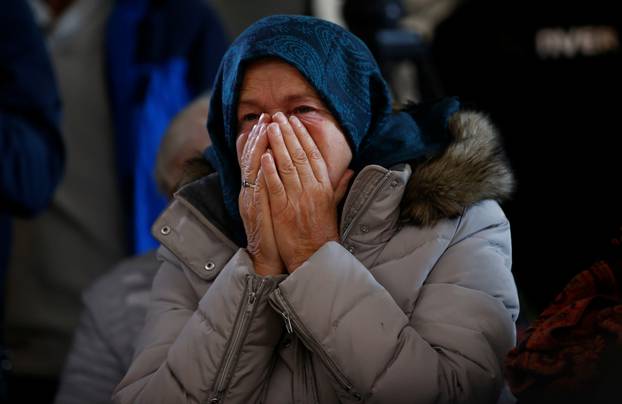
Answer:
(294, 119)
(279, 116)
(274, 128)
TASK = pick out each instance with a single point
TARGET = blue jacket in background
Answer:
(161, 54)
(31, 147)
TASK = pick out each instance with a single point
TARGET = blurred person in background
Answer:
(124, 69)
(31, 148)
(423, 16)
(329, 10)
(237, 15)
(116, 305)
(399, 33)
(549, 74)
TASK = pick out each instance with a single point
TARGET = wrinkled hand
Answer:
(303, 202)
(254, 203)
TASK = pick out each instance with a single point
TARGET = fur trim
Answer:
(472, 168)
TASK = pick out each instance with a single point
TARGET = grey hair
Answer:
(185, 139)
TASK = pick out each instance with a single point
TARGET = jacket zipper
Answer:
(311, 382)
(291, 322)
(239, 334)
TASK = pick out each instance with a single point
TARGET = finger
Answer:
(240, 143)
(250, 141)
(262, 201)
(253, 137)
(253, 159)
(260, 194)
(264, 118)
(245, 140)
(260, 145)
(245, 161)
(284, 164)
(276, 191)
(295, 149)
(316, 161)
(342, 185)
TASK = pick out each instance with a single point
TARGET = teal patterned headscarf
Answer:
(344, 73)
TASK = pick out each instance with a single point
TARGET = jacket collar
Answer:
(373, 202)
(203, 197)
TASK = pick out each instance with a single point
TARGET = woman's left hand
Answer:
(303, 202)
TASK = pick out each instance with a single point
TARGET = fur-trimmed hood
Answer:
(472, 168)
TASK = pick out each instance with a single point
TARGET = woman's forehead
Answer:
(274, 78)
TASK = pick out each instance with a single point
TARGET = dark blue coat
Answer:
(31, 148)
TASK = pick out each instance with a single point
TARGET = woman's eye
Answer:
(303, 109)
(249, 118)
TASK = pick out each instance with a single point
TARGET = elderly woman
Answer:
(341, 252)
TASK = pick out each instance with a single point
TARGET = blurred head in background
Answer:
(185, 140)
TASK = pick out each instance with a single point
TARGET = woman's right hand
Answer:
(254, 203)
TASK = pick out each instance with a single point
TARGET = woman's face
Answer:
(272, 86)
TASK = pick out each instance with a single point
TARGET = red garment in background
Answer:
(566, 352)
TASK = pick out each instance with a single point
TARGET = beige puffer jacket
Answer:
(416, 304)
